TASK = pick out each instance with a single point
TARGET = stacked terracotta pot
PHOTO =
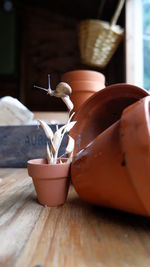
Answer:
(84, 84)
(112, 162)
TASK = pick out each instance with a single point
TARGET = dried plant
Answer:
(63, 90)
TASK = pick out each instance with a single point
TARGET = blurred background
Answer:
(41, 37)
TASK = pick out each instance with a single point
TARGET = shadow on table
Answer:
(109, 215)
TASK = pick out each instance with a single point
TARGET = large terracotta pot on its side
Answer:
(101, 110)
(84, 84)
(51, 181)
(114, 169)
(135, 143)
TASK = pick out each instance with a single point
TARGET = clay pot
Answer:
(101, 110)
(51, 181)
(114, 170)
(84, 84)
(83, 75)
(135, 142)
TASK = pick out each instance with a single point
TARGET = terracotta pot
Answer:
(51, 182)
(114, 170)
(135, 141)
(82, 90)
(83, 75)
(101, 110)
(84, 84)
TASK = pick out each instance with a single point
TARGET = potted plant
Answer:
(51, 175)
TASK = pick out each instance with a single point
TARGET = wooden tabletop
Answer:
(76, 234)
(52, 117)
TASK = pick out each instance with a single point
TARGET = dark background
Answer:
(40, 37)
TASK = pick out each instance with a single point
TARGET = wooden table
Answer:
(52, 117)
(76, 234)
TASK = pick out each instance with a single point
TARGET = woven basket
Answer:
(99, 40)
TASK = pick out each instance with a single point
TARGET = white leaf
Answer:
(69, 126)
(58, 136)
(49, 154)
(48, 131)
(70, 145)
(56, 140)
(70, 118)
(60, 129)
(69, 160)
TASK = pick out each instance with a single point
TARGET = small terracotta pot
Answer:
(84, 84)
(114, 170)
(101, 110)
(51, 181)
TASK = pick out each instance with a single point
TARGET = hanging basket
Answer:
(98, 40)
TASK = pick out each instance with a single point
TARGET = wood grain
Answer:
(76, 234)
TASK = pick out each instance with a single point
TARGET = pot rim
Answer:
(38, 169)
(90, 105)
(97, 75)
(113, 87)
(43, 162)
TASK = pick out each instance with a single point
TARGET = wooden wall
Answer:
(48, 40)
(50, 46)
